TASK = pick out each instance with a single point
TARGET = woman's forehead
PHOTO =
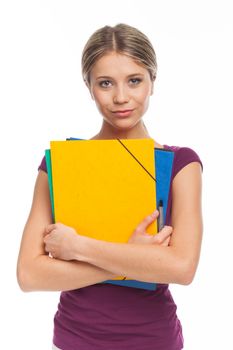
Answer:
(114, 63)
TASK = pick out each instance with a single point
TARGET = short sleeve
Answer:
(184, 156)
(42, 165)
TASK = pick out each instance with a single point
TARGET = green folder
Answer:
(50, 178)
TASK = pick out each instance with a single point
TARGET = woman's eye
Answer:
(135, 81)
(105, 83)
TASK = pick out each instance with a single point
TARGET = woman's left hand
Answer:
(142, 237)
(61, 241)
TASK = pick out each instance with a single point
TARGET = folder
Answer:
(50, 178)
(160, 168)
(164, 160)
(100, 189)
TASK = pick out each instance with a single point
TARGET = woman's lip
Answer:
(122, 110)
(123, 113)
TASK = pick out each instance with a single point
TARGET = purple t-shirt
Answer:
(111, 317)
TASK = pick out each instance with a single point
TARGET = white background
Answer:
(43, 98)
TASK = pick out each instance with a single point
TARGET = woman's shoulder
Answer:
(183, 155)
(182, 151)
(43, 165)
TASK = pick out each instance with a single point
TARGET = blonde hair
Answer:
(123, 39)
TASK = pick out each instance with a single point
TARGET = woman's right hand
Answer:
(140, 236)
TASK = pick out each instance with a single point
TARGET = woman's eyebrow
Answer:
(104, 77)
(128, 76)
(135, 74)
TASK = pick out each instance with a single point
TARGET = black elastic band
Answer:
(137, 160)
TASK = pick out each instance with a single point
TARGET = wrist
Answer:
(85, 252)
(81, 248)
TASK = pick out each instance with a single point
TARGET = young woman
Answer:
(119, 69)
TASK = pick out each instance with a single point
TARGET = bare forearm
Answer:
(142, 262)
(50, 274)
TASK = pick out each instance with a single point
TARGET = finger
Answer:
(166, 242)
(166, 231)
(50, 227)
(46, 238)
(148, 220)
(163, 234)
(47, 248)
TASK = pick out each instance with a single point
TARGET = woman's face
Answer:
(121, 89)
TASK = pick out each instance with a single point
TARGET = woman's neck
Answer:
(108, 132)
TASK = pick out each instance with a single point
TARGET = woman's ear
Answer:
(153, 77)
(92, 96)
(89, 88)
(152, 88)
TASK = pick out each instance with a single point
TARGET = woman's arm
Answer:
(175, 263)
(35, 269)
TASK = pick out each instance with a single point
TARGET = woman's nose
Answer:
(120, 95)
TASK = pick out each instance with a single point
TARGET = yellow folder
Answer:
(102, 188)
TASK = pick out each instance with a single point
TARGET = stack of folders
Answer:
(105, 188)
